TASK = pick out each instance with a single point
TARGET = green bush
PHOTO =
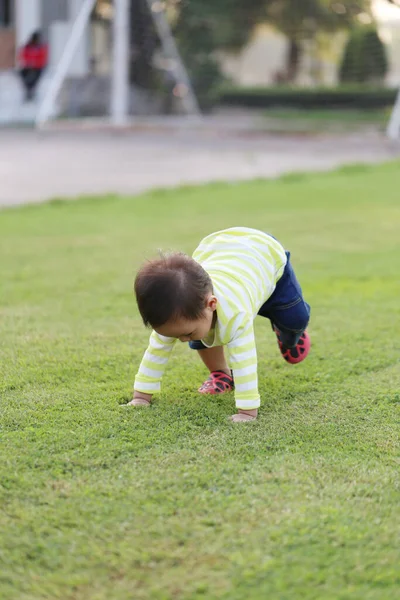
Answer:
(364, 58)
(338, 97)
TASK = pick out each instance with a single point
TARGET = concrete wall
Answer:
(390, 33)
(7, 49)
(259, 61)
(53, 10)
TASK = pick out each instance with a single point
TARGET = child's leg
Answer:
(220, 379)
(289, 315)
(289, 339)
(25, 80)
(214, 359)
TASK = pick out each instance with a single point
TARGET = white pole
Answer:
(61, 71)
(393, 130)
(120, 72)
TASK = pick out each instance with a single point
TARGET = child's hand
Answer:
(140, 399)
(245, 415)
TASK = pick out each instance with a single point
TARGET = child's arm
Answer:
(152, 367)
(243, 361)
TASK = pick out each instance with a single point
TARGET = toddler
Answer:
(211, 301)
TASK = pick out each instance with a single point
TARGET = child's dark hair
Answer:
(171, 287)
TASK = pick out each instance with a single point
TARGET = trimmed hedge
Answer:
(339, 97)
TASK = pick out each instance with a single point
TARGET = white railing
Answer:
(46, 107)
(121, 49)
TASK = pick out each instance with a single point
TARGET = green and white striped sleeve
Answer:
(243, 361)
(152, 367)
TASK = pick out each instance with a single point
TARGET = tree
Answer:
(364, 58)
(205, 26)
(299, 20)
(144, 40)
(144, 43)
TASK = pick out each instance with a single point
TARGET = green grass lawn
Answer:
(100, 501)
(321, 120)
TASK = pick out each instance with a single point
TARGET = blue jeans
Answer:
(286, 309)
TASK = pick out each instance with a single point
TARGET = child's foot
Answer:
(218, 382)
(299, 352)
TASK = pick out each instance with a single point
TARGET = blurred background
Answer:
(202, 90)
(339, 59)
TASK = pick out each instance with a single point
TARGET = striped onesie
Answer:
(244, 266)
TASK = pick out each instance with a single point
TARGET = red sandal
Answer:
(299, 352)
(218, 382)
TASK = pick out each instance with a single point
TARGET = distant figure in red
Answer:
(33, 58)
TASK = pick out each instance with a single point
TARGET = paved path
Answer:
(36, 166)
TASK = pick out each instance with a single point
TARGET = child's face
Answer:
(198, 329)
